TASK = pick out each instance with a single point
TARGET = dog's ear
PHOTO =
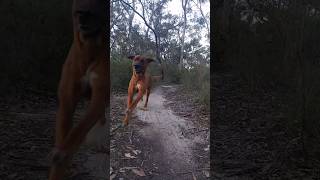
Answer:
(131, 57)
(149, 60)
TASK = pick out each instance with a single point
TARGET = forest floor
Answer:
(27, 126)
(249, 134)
(170, 140)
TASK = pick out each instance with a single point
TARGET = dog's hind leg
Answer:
(131, 90)
(95, 111)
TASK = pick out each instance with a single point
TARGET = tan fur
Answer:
(142, 83)
(84, 73)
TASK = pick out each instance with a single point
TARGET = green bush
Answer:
(197, 80)
(172, 74)
(121, 73)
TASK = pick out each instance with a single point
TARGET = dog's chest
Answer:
(138, 86)
(87, 81)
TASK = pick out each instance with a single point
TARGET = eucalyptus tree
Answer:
(151, 13)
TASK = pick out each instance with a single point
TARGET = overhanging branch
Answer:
(148, 25)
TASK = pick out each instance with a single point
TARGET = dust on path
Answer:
(169, 151)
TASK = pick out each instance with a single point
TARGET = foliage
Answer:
(197, 80)
(121, 72)
(276, 43)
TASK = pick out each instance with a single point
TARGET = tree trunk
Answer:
(184, 7)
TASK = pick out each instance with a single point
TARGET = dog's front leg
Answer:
(67, 101)
(136, 101)
(131, 107)
(130, 94)
(129, 101)
(63, 126)
(96, 111)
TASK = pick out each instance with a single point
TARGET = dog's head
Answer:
(140, 64)
(89, 17)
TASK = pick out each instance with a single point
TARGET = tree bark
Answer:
(184, 7)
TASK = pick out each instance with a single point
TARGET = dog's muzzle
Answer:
(138, 68)
(89, 23)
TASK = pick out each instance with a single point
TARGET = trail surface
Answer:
(170, 148)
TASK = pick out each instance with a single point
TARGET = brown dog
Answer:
(140, 80)
(85, 72)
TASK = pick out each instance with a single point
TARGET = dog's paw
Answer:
(57, 156)
(124, 123)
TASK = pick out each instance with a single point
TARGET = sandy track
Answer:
(167, 128)
(165, 133)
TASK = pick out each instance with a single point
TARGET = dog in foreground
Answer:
(141, 80)
(85, 73)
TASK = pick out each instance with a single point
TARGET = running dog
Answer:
(141, 80)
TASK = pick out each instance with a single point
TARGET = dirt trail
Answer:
(167, 146)
(167, 129)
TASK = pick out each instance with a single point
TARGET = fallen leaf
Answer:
(113, 176)
(136, 152)
(139, 172)
(206, 173)
(128, 147)
(128, 155)
(111, 170)
(207, 148)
